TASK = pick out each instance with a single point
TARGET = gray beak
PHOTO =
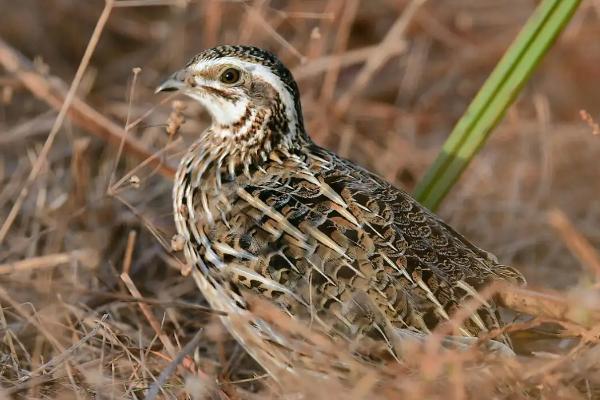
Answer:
(174, 82)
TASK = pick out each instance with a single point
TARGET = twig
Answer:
(341, 40)
(252, 12)
(8, 339)
(345, 59)
(576, 242)
(168, 371)
(35, 126)
(162, 303)
(129, 251)
(82, 114)
(168, 345)
(31, 319)
(41, 159)
(150, 3)
(136, 72)
(164, 339)
(65, 354)
(49, 261)
(549, 305)
(393, 36)
(147, 223)
(79, 112)
(153, 159)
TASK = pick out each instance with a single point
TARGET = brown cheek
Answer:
(261, 92)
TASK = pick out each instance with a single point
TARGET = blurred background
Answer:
(382, 81)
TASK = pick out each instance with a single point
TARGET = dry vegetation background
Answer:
(383, 82)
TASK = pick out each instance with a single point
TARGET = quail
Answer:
(262, 209)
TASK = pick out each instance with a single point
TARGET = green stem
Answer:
(494, 98)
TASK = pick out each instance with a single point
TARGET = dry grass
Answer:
(92, 302)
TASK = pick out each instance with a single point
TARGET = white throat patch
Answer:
(223, 112)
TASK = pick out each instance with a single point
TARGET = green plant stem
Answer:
(494, 98)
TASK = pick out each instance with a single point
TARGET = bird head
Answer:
(247, 91)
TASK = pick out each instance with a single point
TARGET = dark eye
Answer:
(230, 76)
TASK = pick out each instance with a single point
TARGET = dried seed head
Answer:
(134, 181)
(176, 118)
(588, 119)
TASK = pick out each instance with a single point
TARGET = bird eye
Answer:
(230, 76)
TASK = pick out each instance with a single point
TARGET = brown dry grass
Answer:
(92, 303)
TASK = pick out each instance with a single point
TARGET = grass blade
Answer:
(494, 98)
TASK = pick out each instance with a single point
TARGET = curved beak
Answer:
(174, 82)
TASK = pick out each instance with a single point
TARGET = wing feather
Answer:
(320, 232)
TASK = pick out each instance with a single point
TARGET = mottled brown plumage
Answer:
(263, 209)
